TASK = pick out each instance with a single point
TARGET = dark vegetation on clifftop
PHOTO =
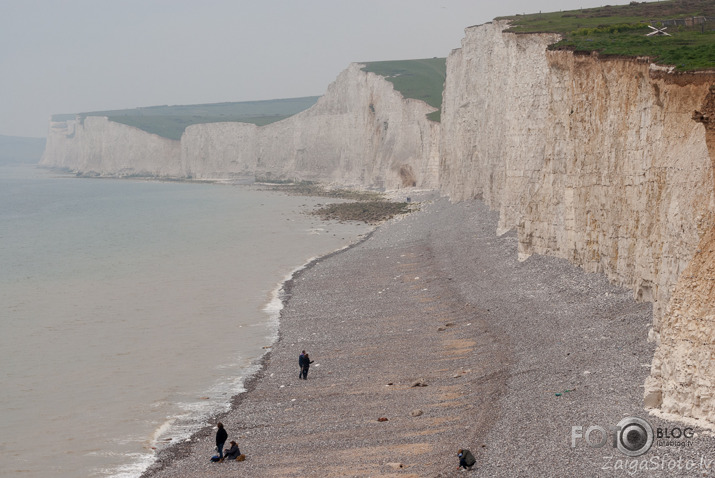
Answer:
(621, 31)
(418, 79)
(171, 121)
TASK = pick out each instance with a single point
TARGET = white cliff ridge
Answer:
(360, 133)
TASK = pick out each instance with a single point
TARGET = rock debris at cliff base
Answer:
(436, 299)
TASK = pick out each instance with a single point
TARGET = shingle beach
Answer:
(432, 323)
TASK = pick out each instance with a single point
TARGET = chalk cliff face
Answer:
(597, 161)
(683, 374)
(360, 133)
(219, 150)
(97, 146)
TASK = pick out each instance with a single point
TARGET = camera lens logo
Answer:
(634, 436)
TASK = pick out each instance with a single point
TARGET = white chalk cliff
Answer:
(95, 145)
(601, 162)
(360, 133)
(604, 162)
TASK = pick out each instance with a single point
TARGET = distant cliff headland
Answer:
(589, 131)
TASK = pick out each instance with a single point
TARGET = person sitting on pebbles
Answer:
(466, 459)
(233, 452)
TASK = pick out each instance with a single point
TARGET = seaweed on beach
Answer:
(371, 212)
(367, 206)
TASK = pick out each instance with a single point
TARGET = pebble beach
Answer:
(429, 336)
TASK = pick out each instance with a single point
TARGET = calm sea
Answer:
(131, 311)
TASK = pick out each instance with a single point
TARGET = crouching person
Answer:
(466, 459)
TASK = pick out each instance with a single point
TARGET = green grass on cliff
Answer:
(621, 30)
(418, 79)
(171, 121)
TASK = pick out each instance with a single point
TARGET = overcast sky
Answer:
(70, 56)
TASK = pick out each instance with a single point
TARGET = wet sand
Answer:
(433, 324)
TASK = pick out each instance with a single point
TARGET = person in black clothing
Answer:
(466, 459)
(306, 366)
(233, 452)
(221, 437)
(301, 358)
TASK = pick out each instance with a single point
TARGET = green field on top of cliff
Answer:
(418, 79)
(171, 121)
(622, 30)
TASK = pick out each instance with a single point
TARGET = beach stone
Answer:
(416, 413)
(396, 466)
(382, 419)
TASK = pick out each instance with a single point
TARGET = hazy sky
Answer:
(70, 56)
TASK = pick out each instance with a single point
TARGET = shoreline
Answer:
(169, 454)
(431, 322)
(198, 296)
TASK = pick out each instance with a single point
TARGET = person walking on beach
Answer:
(301, 359)
(221, 437)
(306, 366)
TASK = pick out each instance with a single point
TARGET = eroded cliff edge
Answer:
(598, 161)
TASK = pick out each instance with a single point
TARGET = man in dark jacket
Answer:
(300, 364)
(221, 437)
(306, 366)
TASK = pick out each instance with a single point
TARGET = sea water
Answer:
(131, 311)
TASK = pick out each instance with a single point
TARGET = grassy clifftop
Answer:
(418, 79)
(621, 30)
(171, 121)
